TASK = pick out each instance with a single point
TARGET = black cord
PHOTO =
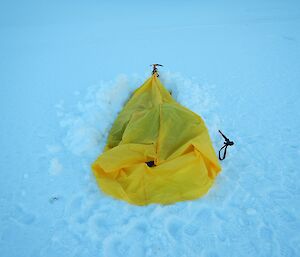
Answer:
(155, 70)
(227, 143)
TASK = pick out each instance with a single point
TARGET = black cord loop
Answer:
(227, 143)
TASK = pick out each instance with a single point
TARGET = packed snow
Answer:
(66, 70)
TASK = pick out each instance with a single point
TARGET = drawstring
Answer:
(227, 143)
(155, 70)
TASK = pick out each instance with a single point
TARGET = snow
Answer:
(55, 167)
(66, 69)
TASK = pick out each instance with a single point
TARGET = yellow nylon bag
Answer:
(157, 151)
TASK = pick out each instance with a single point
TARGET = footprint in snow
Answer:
(174, 227)
(199, 223)
(286, 251)
(75, 206)
(22, 216)
(116, 246)
(266, 234)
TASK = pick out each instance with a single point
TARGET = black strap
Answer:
(227, 143)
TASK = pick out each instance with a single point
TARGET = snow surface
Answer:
(66, 69)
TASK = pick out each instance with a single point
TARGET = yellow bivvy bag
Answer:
(157, 151)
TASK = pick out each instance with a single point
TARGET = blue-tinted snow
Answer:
(66, 68)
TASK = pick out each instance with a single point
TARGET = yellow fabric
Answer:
(153, 127)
